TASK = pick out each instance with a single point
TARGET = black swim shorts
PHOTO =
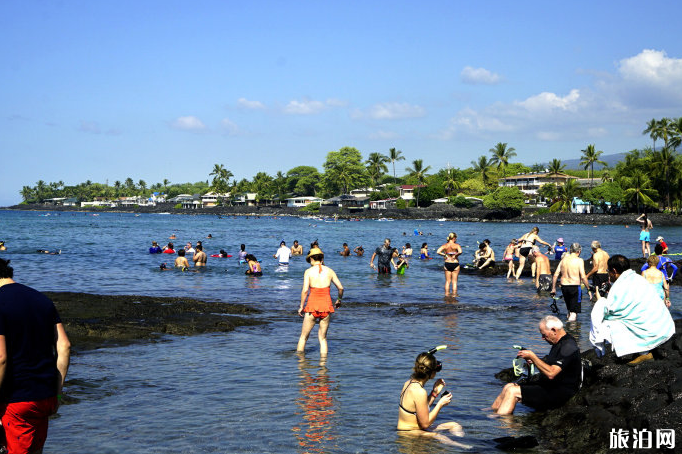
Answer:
(545, 283)
(541, 398)
(599, 278)
(572, 296)
(524, 251)
(450, 266)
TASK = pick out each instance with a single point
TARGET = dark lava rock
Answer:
(616, 396)
(92, 321)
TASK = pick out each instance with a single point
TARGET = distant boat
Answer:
(441, 220)
(385, 220)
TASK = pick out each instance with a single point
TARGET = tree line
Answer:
(650, 177)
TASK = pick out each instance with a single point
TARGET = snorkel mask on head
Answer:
(439, 365)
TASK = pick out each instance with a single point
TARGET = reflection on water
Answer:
(315, 433)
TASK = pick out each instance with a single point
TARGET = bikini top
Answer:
(400, 403)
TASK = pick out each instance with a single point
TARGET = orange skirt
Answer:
(319, 302)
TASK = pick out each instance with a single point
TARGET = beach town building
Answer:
(348, 201)
(407, 191)
(383, 203)
(529, 183)
(212, 199)
(300, 202)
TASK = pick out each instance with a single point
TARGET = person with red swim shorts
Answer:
(317, 281)
(34, 360)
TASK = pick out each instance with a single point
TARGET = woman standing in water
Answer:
(317, 280)
(451, 251)
(526, 243)
(414, 414)
(645, 235)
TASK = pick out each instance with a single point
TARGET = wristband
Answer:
(434, 394)
(59, 397)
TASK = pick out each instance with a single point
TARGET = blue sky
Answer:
(108, 90)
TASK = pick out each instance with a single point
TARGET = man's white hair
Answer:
(551, 321)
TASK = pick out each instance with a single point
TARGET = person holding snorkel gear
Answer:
(415, 416)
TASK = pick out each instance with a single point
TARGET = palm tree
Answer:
(589, 158)
(221, 177)
(26, 193)
(556, 167)
(450, 182)
(117, 187)
(565, 195)
(376, 166)
(676, 139)
(665, 130)
(418, 171)
(393, 156)
(639, 188)
(652, 130)
(143, 186)
(501, 155)
(663, 162)
(483, 167)
(606, 175)
(165, 185)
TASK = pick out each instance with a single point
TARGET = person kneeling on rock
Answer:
(632, 318)
(560, 373)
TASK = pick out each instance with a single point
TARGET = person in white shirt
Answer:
(283, 254)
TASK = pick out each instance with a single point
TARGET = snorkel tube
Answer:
(437, 349)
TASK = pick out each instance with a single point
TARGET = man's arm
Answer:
(549, 371)
(594, 267)
(371, 261)
(63, 354)
(556, 276)
(3, 358)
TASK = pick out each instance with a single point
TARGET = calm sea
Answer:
(247, 391)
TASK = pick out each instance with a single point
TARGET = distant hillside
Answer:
(611, 160)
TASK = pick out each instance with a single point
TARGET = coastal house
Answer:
(363, 192)
(529, 183)
(299, 202)
(580, 206)
(407, 191)
(245, 199)
(100, 203)
(133, 201)
(211, 199)
(382, 204)
(348, 201)
(70, 202)
(54, 201)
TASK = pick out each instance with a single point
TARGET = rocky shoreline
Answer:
(94, 321)
(615, 396)
(434, 212)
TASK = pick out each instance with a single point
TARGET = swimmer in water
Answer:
(254, 268)
(45, 251)
(510, 251)
(209, 236)
(296, 249)
(415, 417)
(172, 237)
(317, 281)
(424, 251)
(2, 246)
(242, 254)
(359, 251)
(401, 265)
(345, 252)
(451, 251)
(199, 258)
(181, 261)
(407, 250)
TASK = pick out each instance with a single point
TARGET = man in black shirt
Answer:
(385, 254)
(561, 373)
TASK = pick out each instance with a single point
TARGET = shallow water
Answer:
(247, 391)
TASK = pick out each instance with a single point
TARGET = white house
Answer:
(299, 202)
(579, 206)
(382, 204)
(407, 191)
(210, 199)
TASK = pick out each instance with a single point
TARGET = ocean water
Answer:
(247, 390)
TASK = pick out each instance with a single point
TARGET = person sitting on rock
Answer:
(632, 318)
(560, 373)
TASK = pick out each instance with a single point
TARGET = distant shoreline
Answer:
(434, 212)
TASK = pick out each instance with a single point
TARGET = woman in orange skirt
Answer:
(316, 285)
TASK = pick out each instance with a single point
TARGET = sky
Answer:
(155, 90)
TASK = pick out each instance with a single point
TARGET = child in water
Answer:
(401, 265)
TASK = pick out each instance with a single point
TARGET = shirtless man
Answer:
(543, 275)
(359, 251)
(296, 249)
(572, 272)
(346, 250)
(181, 261)
(599, 271)
(199, 256)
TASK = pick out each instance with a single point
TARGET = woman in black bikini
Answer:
(526, 243)
(414, 415)
(451, 251)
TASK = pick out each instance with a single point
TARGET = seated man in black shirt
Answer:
(561, 373)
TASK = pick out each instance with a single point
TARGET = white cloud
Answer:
(545, 102)
(390, 111)
(304, 107)
(384, 135)
(642, 86)
(188, 123)
(251, 105)
(229, 127)
(479, 76)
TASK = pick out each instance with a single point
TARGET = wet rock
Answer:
(615, 396)
(92, 321)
